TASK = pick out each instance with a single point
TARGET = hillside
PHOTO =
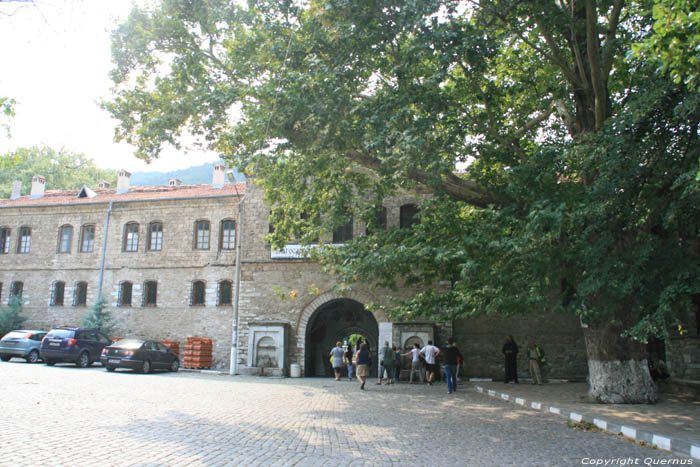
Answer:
(194, 175)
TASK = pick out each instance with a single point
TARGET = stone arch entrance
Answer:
(332, 322)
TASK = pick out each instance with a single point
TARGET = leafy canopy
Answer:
(577, 158)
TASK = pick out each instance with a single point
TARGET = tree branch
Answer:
(459, 189)
(593, 48)
(610, 36)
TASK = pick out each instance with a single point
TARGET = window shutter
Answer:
(76, 292)
(191, 293)
(218, 293)
(119, 295)
(144, 292)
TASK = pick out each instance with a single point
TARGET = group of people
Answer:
(390, 363)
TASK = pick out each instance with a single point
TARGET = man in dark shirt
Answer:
(452, 358)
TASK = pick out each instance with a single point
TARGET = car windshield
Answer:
(128, 343)
(16, 335)
(67, 333)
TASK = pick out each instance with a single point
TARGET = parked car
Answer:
(81, 346)
(23, 343)
(140, 355)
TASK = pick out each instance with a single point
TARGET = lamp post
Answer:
(233, 370)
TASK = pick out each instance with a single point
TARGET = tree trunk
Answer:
(617, 367)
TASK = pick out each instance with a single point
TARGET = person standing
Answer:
(452, 359)
(348, 361)
(416, 364)
(386, 363)
(337, 359)
(430, 353)
(397, 363)
(510, 351)
(362, 359)
(535, 356)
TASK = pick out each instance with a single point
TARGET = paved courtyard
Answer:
(67, 416)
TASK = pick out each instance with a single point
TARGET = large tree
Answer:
(560, 168)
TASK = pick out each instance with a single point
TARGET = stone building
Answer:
(164, 258)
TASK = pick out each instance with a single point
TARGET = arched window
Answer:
(80, 294)
(379, 221)
(155, 236)
(87, 238)
(198, 293)
(25, 240)
(227, 240)
(408, 215)
(124, 298)
(131, 237)
(5, 233)
(58, 290)
(16, 289)
(343, 233)
(201, 235)
(224, 293)
(150, 293)
(65, 238)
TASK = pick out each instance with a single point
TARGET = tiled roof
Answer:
(135, 193)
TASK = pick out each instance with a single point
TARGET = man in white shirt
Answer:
(430, 353)
(416, 365)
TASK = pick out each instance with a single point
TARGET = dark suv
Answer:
(78, 345)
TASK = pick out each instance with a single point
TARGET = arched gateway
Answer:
(335, 319)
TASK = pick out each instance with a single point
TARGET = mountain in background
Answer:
(200, 174)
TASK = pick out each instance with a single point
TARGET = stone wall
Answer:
(480, 340)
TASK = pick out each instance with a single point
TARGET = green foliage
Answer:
(7, 112)
(62, 170)
(675, 41)
(10, 318)
(578, 158)
(98, 318)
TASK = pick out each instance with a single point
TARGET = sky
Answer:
(54, 61)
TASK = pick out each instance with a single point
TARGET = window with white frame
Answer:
(25, 240)
(155, 236)
(131, 237)
(65, 238)
(228, 234)
(87, 238)
(202, 236)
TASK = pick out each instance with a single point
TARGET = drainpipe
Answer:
(233, 370)
(104, 252)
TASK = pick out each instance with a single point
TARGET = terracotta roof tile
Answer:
(135, 193)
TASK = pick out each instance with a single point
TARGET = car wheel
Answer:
(110, 368)
(33, 356)
(5, 358)
(49, 362)
(146, 367)
(174, 366)
(83, 360)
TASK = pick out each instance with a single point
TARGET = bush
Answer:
(99, 318)
(10, 318)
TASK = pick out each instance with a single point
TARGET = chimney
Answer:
(16, 189)
(219, 176)
(103, 185)
(123, 181)
(175, 182)
(38, 186)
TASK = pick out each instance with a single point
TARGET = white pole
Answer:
(233, 370)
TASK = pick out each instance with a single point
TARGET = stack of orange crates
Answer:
(174, 346)
(198, 352)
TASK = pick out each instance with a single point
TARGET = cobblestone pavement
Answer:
(67, 416)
